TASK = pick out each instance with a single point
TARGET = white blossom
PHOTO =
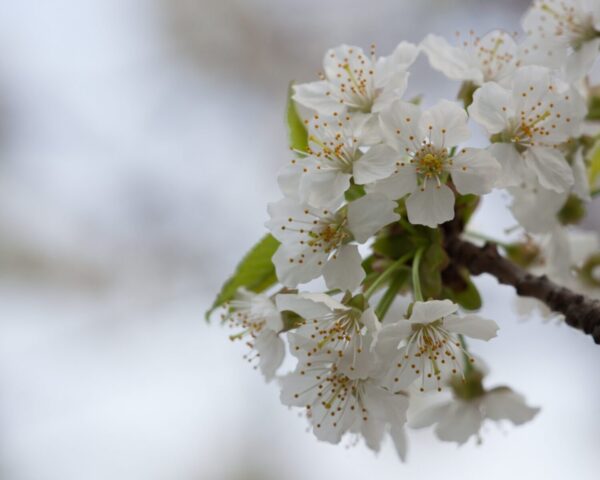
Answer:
(420, 145)
(261, 323)
(336, 379)
(355, 81)
(336, 154)
(425, 347)
(476, 59)
(563, 33)
(461, 418)
(333, 329)
(529, 123)
(315, 241)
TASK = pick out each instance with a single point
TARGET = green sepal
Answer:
(572, 211)
(354, 192)
(255, 272)
(291, 320)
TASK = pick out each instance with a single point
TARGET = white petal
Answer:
(290, 274)
(388, 338)
(386, 67)
(373, 432)
(581, 186)
(432, 310)
(307, 308)
(530, 85)
(535, 208)
(474, 171)
(296, 388)
(445, 124)
(322, 187)
(403, 182)
(461, 422)
(399, 438)
(314, 95)
(368, 214)
(454, 62)
(378, 163)
(429, 415)
(552, 170)
(492, 107)
(580, 62)
(513, 167)
(400, 126)
(393, 90)
(344, 270)
(503, 403)
(271, 350)
(431, 206)
(288, 180)
(343, 54)
(472, 326)
(370, 320)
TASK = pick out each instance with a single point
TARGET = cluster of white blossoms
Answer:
(359, 226)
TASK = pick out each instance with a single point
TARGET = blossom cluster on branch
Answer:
(364, 277)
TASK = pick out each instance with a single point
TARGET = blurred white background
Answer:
(139, 141)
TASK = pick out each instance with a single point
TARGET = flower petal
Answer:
(368, 214)
(400, 126)
(430, 206)
(400, 184)
(474, 171)
(461, 422)
(271, 350)
(429, 415)
(472, 326)
(513, 169)
(344, 269)
(378, 163)
(432, 310)
(552, 170)
(504, 404)
(454, 62)
(446, 124)
(291, 272)
(308, 308)
(492, 107)
(320, 187)
(315, 95)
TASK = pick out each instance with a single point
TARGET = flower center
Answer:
(430, 163)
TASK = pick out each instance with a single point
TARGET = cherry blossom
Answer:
(261, 323)
(420, 145)
(529, 123)
(315, 241)
(358, 82)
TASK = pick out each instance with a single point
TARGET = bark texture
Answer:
(580, 311)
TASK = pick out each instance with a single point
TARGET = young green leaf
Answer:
(297, 134)
(255, 272)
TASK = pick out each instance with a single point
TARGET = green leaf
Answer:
(433, 262)
(594, 165)
(255, 272)
(297, 134)
(468, 298)
(593, 108)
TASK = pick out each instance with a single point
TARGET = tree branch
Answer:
(580, 311)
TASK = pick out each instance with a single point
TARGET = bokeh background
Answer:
(139, 141)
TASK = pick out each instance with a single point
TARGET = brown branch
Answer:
(580, 311)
